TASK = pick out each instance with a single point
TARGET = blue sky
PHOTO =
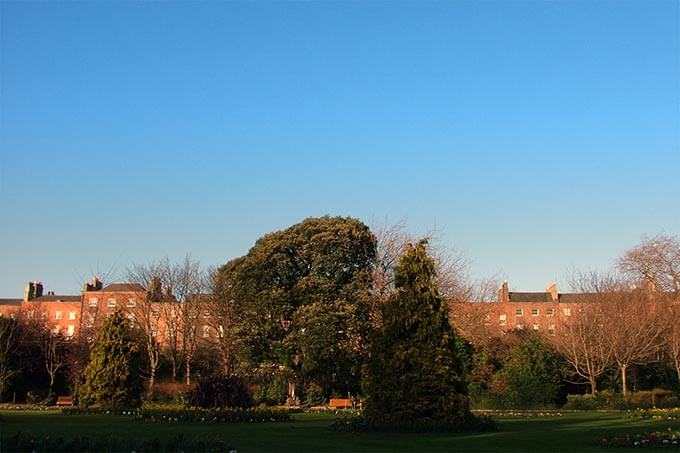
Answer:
(535, 136)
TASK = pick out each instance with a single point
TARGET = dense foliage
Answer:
(414, 377)
(218, 391)
(304, 301)
(112, 378)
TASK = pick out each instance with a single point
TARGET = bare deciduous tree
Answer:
(145, 313)
(655, 260)
(222, 305)
(582, 338)
(52, 346)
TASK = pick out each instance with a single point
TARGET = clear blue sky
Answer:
(536, 136)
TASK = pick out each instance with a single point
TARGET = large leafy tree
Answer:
(112, 380)
(532, 373)
(414, 377)
(303, 294)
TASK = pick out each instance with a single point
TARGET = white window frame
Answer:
(550, 312)
(519, 312)
(71, 330)
(72, 315)
(57, 314)
(535, 312)
(502, 320)
(93, 302)
(567, 311)
(131, 303)
(112, 303)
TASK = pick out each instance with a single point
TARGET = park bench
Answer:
(64, 401)
(340, 403)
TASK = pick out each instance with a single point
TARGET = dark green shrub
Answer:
(112, 379)
(219, 391)
(414, 377)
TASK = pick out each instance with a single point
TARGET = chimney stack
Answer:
(32, 291)
(504, 293)
(552, 289)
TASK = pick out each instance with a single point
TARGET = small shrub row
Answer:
(658, 439)
(358, 423)
(26, 407)
(22, 442)
(192, 415)
(609, 400)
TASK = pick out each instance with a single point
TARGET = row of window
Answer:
(537, 312)
(111, 303)
(72, 315)
(70, 330)
(131, 303)
(536, 327)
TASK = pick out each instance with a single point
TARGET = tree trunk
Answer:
(624, 383)
(152, 378)
(51, 383)
(593, 386)
(187, 370)
(174, 368)
(677, 368)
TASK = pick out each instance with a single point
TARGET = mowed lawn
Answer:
(572, 432)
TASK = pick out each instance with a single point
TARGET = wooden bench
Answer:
(64, 401)
(340, 403)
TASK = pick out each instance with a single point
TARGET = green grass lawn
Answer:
(573, 432)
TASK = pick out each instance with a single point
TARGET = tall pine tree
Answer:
(414, 377)
(112, 380)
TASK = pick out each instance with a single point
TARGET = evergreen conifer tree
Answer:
(112, 380)
(414, 377)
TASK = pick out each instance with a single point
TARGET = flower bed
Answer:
(193, 415)
(522, 414)
(657, 414)
(657, 439)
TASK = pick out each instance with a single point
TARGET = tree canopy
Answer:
(303, 294)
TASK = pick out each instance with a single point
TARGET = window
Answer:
(519, 312)
(567, 312)
(535, 327)
(520, 326)
(112, 303)
(534, 312)
(487, 320)
(131, 303)
(71, 315)
(29, 314)
(131, 317)
(156, 313)
(154, 328)
(206, 332)
(89, 320)
(43, 315)
(93, 301)
(551, 329)
(206, 314)
(550, 312)
(71, 330)
(57, 329)
(57, 315)
(502, 320)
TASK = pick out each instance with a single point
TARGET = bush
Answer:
(608, 400)
(31, 443)
(220, 392)
(168, 392)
